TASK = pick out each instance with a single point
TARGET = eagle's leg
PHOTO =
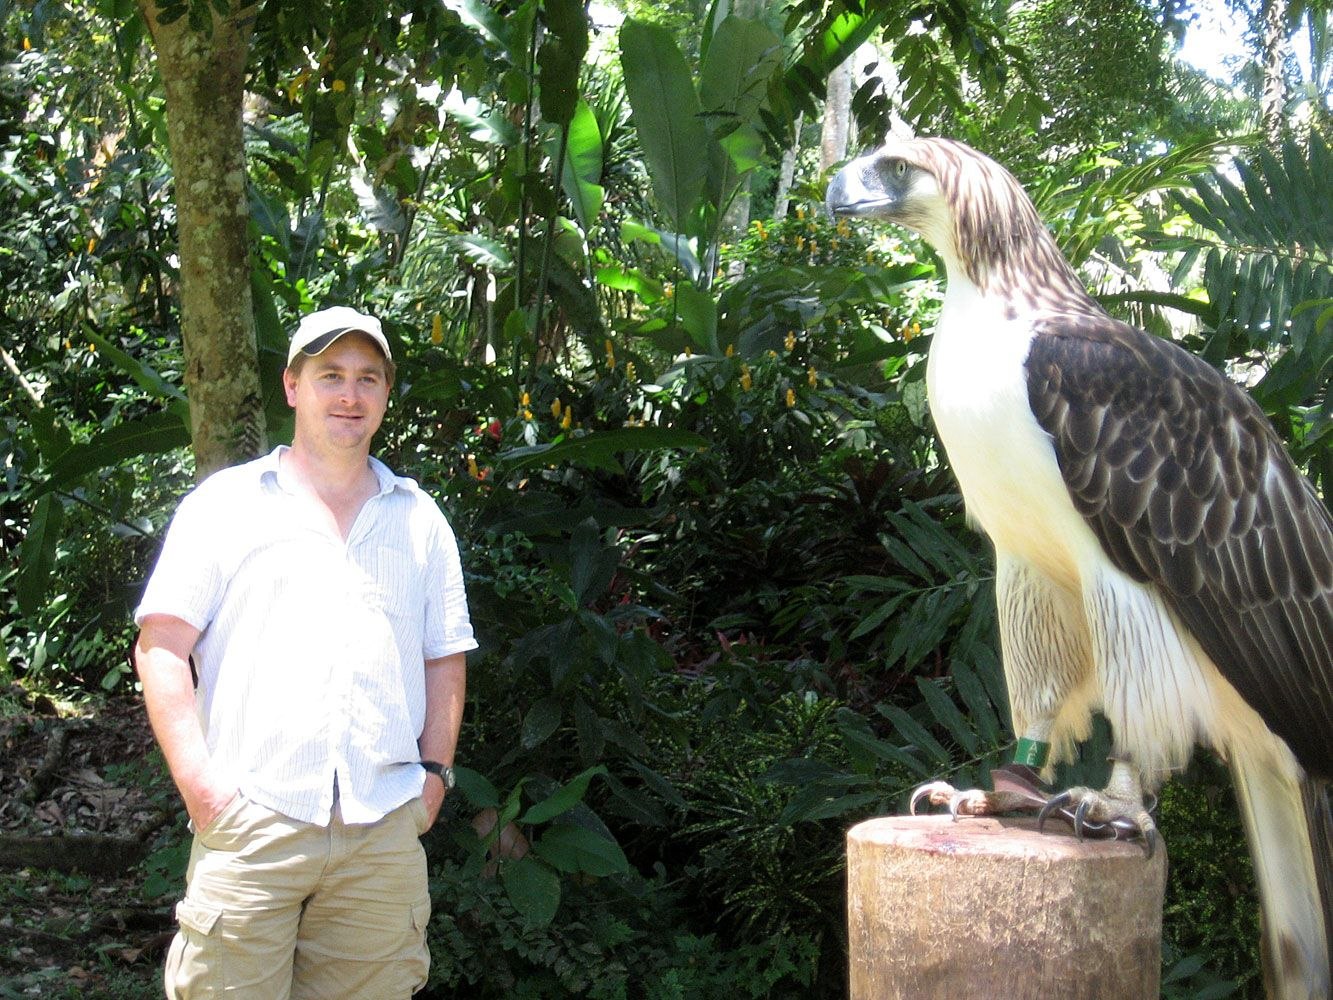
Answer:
(1016, 785)
(1047, 663)
(1118, 810)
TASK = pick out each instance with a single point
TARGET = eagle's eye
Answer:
(899, 168)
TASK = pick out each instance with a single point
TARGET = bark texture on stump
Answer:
(986, 908)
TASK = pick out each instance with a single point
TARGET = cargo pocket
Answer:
(194, 961)
(417, 965)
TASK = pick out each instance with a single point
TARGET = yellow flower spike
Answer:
(689, 351)
(844, 228)
(731, 350)
(800, 211)
(800, 243)
(811, 228)
(472, 469)
(791, 398)
(812, 376)
(92, 244)
(555, 408)
(814, 246)
(833, 244)
(916, 329)
(437, 329)
(746, 381)
(526, 400)
(338, 86)
(527, 414)
(567, 419)
(27, 44)
(790, 342)
(630, 371)
(610, 347)
(772, 354)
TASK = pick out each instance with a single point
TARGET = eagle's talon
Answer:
(1055, 802)
(1081, 817)
(936, 792)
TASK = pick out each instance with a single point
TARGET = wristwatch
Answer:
(445, 772)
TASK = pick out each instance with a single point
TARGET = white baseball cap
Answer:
(319, 329)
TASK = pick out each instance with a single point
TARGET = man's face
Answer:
(340, 394)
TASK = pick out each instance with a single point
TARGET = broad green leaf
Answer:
(574, 849)
(646, 288)
(144, 375)
(745, 150)
(698, 314)
(583, 166)
(742, 57)
(591, 563)
(558, 63)
(533, 887)
(564, 799)
(542, 720)
(482, 250)
(666, 114)
(479, 791)
(483, 125)
(37, 553)
(480, 16)
(152, 435)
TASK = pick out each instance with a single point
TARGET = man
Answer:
(321, 599)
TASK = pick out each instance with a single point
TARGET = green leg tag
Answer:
(1033, 753)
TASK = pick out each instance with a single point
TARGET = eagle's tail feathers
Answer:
(1290, 847)
(1318, 797)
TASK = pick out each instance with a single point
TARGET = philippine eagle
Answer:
(1159, 558)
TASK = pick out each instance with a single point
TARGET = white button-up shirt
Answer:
(311, 657)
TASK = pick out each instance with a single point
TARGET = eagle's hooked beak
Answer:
(848, 194)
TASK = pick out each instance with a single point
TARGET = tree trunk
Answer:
(837, 116)
(204, 78)
(1272, 61)
(981, 908)
(787, 173)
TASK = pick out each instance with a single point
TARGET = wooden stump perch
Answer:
(989, 908)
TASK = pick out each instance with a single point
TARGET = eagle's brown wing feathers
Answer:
(1186, 485)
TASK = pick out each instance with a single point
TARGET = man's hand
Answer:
(206, 799)
(433, 796)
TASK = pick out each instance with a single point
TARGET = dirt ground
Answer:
(89, 830)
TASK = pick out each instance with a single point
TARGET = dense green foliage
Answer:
(727, 600)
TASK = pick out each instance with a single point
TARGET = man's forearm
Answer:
(446, 692)
(161, 658)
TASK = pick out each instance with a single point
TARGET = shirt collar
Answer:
(269, 467)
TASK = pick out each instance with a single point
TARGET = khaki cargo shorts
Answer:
(275, 908)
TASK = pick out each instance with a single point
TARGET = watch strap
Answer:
(444, 771)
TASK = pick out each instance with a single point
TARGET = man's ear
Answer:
(289, 386)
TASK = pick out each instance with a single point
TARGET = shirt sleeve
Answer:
(448, 628)
(187, 582)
